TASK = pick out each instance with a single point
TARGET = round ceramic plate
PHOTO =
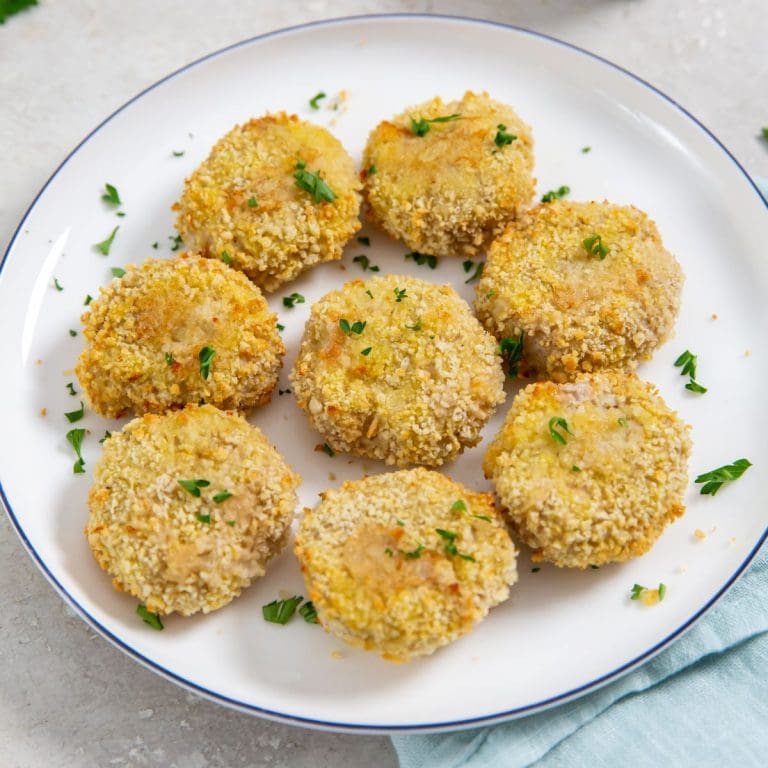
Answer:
(562, 632)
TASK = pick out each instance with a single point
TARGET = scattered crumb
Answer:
(38, 362)
(475, 658)
(650, 596)
(699, 534)
(332, 477)
(714, 316)
(683, 568)
(145, 714)
(337, 655)
(342, 267)
(747, 352)
(731, 541)
(714, 528)
(43, 411)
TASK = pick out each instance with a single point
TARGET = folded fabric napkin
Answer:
(693, 704)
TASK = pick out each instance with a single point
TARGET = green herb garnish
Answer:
(459, 506)
(637, 591)
(555, 194)
(75, 438)
(468, 264)
(104, 246)
(169, 358)
(117, 272)
(503, 138)
(421, 126)
(357, 327)
(367, 351)
(292, 300)
(594, 245)
(177, 242)
(483, 517)
(415, 327)
(715, 479)
(369, 292)
(584, 150)
(574, 468)
(88, 300)
(326, 449)
(178, 153)
(155, 245)
(57, 285)
(226, 258)
(111, 196)
(512, 352)
(422, 258)
(414, 553)
(280, 611)
(107, 435)
(72, 332)
(449, 537)
(371, 170)
(313, 102)
(194, 486)
(662, 591)
(308, 612)
(536, 569)
(559, 421)
(476, 274)
(73, 416)
(694, 386)
(280, 327)
(312, 183)
(252, 202)
(205, 356)
(221, 496)
(365, 263)
(389, 552)
(71, 389)
(153, 619)
(366, 241)
(400, 294)
(204, 519)
(621, 421)
(687, 362)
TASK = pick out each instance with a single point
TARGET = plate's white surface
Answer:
(561, 632)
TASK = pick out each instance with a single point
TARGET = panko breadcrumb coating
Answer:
(175, 551)
(243, 203)
(606, 490)
(580, 310)
(398, 369)
(451, 190)
(405, 562)
(147, 330)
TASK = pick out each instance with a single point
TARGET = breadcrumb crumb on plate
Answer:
(405, 562)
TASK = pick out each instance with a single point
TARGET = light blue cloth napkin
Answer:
(692, 705)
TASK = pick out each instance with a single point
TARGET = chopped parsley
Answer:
(366, 351)
(555, 194)
(400, 294)
(714, 480)
(636, 591)
(585, 150)
(177, 242)
(75, 438)
(280, 327)
(459, 506)
(312, 183)
(365, 263)
(71, 389)
(476, 274)
(764, 133)
(193, 486)
(153, 619)
(169, 358)
(574, 468)
(155, 245)
(204, 519)
(502, 138)
(512, 352)
(178, 153)
(388, 551)
(327, 450)
(107, 435)
(371, 170)
(594, 245)
(449, 537)
(662, 590)
(292, 300)
(367, 290)
(57, 285)
(468, 264)
(73, 416)
(415, 327)
(536, 569)
(72, 332)
(205, 356)
(280, 611)
(483, 517)
(621, 421)
(314, 101)
(414, 553)
(366, 241)
(421, 126)
(252, 202)
(88, 300)
(104, 246)
(694, 386)
(117, 272)
(357, 327)
(422, 258)
(558, 437)
(111, 196)
(308, 612)
(221, 496)
(10, 7)
(232, 523)
(226, 258)
(687, 362)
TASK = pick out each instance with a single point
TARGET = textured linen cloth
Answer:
(701, 702)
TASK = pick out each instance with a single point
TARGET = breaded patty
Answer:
(246, 205)
(188, 549)
(150, 335)
(605, 489)
(590, 286)
(398, 369)
(405, 562)
(453, 188)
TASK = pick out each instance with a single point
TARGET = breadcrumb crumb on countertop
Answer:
(452, 189)
(244, 200)
(606, 490)
(146, 330)
(414, 385)
(383, 577)
(171, 549)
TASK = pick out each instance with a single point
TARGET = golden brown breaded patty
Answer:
(415, 385)
(147, 330)
(451, 190)
(244, 200)
(405, 562)
(176, 551)
(606, 490)
(578, 310)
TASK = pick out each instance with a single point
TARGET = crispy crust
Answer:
(177, 307)
(451, 191)
(143, 527)
(629, 481)
(580, 313)
(397, 605)
(287, 231)
(419, 396)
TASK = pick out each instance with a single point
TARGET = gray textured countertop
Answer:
(67, 697)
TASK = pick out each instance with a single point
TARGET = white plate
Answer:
(562, 633)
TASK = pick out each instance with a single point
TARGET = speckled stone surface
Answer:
(67, 697)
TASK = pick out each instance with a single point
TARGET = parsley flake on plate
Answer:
(512, 352)
(104, 246)
(292, 300)
(716, 478)
(73, 416)
(365, 263)
(422, 258)
(280, 611)
(111, 196)
(75, 438)
(555, 194)
(153, 619)
(314, 102)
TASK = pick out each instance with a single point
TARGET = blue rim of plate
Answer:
(355, 727)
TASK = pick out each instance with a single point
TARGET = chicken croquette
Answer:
(405, 562)
(589, 286)
(171, 332)
(276, 196)
(590, 471)
(187, 508)
(447, 177)
(398, 369)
